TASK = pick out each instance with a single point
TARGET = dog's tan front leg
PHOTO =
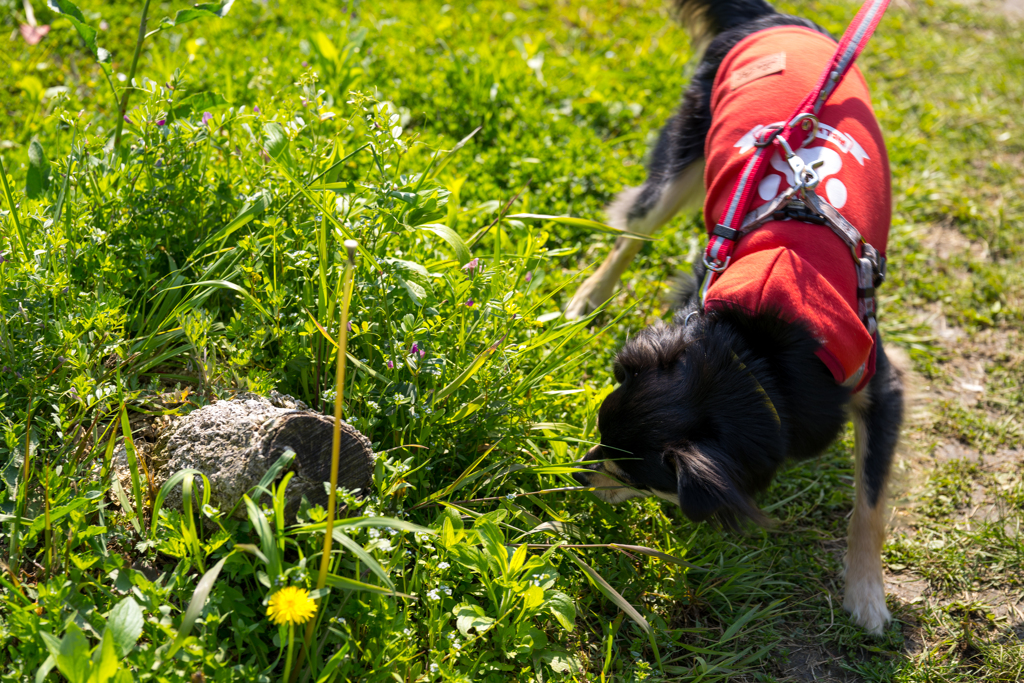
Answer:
(598, 287)
(865, 580)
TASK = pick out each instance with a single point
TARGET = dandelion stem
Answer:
(291, 647)
(339, 396)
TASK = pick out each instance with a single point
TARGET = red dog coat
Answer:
(801, 270)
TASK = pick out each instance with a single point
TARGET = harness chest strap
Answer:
(810, 208)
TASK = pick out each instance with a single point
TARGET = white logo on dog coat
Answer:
(835, 190)
(845, 143)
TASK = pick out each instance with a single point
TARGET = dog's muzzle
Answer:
(600, 478)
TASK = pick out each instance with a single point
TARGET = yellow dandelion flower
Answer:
(291, 605)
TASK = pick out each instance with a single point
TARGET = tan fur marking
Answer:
(599, 479)
(865, 581)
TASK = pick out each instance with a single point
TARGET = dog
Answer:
(748, 375)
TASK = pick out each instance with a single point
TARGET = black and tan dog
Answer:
(709, 407)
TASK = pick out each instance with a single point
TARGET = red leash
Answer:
(789, 137)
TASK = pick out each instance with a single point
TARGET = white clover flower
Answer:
(443, 565)
(447, 590)
(433, 594)
(433, 668)
(384, 545)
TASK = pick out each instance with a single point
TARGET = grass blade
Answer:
(364, 557)
(195, 607)
(474, 367)
(584, 223)
(451, 237)
(284, 461)
(224, 284)
(169, 485)
(14, 214)
(344, 584)
(609, 592)
(266, 534)
(133, 462)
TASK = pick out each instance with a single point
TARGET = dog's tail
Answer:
(705, 19)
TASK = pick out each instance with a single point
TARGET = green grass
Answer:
(204, 259)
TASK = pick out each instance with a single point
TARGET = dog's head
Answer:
(689, 422)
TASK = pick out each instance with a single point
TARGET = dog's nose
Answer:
(593, 454)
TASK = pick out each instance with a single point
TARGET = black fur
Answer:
(883, 417)
(697, 404)
(681, 141)
(710, 407)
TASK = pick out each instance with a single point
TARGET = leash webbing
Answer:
(793, 135)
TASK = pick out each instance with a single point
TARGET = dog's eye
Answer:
(619, 372)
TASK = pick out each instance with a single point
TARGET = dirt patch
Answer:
(1011, 9)
(945, 241)
(814, 664)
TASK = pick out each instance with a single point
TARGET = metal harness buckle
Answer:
(717, 265)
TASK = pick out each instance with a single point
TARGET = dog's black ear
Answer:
(707, 490)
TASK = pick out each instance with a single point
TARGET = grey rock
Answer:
(234, 443)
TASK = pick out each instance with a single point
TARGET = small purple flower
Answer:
(207, 117)
(64, 291)
(415, 348)
(350, 326)
(391, 365)
(469, 303)
(162, 122)
(127, 120)
(529, 276)
(2, 259)
(422, 353)
(256, 110)
(472, 266)
(305, 64)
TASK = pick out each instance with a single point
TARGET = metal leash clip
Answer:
(805, 176)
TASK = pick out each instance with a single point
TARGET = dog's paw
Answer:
(578, 307)
(865, 601)
(589, 296)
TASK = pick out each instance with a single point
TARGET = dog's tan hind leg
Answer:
(687, 188)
